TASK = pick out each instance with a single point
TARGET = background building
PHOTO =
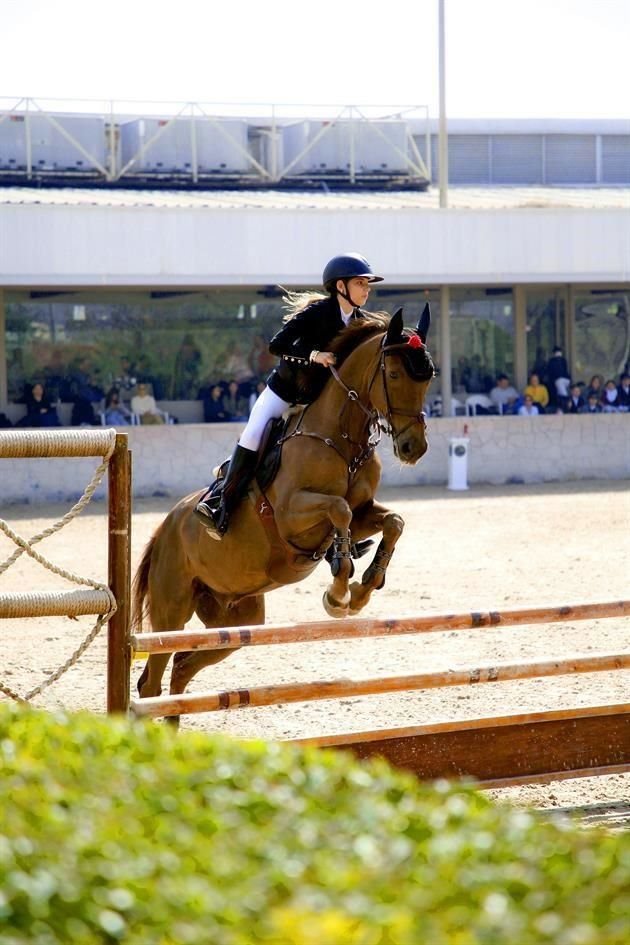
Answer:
(178, 283)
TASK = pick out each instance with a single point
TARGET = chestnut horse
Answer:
(318, 505)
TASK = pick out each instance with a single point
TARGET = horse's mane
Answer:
(356, 331)
(417, 360)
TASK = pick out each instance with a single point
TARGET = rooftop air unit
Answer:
(371, 147)
(75, 148)
(161, 146)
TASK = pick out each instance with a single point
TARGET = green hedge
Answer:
(114, 831)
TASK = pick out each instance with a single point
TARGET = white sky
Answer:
(505, 58)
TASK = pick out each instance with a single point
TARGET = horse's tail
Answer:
(140, 589)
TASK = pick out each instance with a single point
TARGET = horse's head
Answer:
(406, 370)
(387, 369)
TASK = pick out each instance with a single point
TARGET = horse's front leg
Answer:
(306, 510)
(368, 520)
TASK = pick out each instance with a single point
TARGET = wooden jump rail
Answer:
(36, 444)
(163, 706)
(232, 638)
(512, 749)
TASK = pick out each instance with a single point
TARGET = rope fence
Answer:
(103, 600)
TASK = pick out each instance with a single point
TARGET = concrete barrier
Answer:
(178, 459)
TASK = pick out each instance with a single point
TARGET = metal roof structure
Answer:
(199, 145)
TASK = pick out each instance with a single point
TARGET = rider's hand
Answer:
(325, 358)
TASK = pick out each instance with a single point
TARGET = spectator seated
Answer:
(144, 406)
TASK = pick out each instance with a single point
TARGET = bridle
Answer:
(375, 424)
(419, 417)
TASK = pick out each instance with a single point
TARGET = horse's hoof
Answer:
(334, 610)
(353, 611)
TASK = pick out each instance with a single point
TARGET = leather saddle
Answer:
(269, 457)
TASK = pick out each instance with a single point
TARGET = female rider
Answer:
(313, 321)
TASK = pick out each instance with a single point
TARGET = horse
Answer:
(320, 504)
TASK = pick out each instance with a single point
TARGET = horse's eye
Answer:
(394, 375)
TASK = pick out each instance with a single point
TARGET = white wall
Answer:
(79, 245)
(176, 460)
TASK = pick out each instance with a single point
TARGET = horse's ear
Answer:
(424, 323)
(394, 331)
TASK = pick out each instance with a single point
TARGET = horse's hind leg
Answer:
(250, 610)
(167, 612)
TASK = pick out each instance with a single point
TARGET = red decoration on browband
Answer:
(414, 341)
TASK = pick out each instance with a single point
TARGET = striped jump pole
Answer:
(496, 751)
(354, 628)
(162, 706)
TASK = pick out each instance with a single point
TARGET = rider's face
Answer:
(358, 290)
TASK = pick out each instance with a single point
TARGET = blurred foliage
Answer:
(118, 831)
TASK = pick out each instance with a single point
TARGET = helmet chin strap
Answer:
(346, 295)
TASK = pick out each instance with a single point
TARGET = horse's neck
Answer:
(356, 374)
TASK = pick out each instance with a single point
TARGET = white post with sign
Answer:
(458, 462)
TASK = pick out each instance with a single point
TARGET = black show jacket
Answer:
(296, 379)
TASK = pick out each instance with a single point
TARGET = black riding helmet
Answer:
(347, 266)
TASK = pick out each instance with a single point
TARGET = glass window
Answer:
(601, 331)
(545, 327)
(482, 338)
(182, 343)
(602, 334)
(176, 342)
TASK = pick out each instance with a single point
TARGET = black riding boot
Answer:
(215, 511)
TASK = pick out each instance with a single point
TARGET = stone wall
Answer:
(175, 460)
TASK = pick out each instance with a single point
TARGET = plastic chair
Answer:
(478, 400)
(134, 420)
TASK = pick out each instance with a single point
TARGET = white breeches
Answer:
(266, 406)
